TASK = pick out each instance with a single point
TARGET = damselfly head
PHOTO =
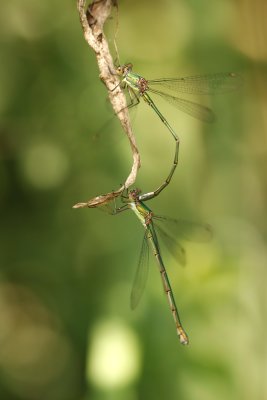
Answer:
(123, 70)
(134, 194)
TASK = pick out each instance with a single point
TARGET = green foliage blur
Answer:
(66, 328)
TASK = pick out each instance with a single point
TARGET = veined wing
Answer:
(189, 107)
(174, 247)
(201, 84)
(141, 275)
(187, 230)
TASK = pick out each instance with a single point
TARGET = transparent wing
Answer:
(174, 247)
(141, 275)
(201, 84)
(191, 231)
(189, 107)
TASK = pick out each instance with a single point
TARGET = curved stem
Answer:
(92, 22)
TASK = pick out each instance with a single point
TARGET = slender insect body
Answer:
(151, 235)
(140, 87)
(145, 215)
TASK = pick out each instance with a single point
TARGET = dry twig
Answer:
(92, 23)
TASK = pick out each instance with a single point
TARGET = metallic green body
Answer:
(145, 216)
(139, 85)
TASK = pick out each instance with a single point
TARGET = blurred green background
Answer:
(66, 328)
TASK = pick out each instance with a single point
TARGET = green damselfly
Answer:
(202, 84)
(191, 231)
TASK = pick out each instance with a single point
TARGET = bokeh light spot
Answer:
(33, 350)
(44, 165)
(114, 356)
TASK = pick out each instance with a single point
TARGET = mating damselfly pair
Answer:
(139, 87)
